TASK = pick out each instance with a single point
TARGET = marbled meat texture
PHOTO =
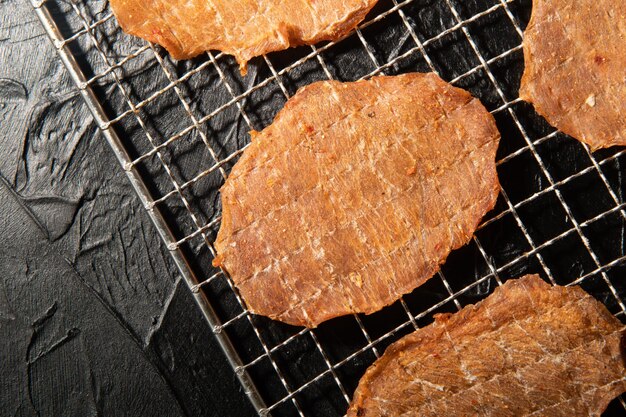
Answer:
(529, 349)
(576, 68)
(355, 194)
(243, 28)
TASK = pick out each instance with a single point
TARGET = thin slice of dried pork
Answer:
(529, 349)
(576, 68)
(355, 195)
(243, 28)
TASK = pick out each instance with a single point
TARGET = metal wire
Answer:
(89, 33)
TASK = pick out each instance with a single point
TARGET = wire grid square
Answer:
(561, 211)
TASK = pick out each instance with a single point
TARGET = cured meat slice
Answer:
(243, 28)
(355, 194)
(529, 349)
(575, 68)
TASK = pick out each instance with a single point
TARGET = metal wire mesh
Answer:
(177, 129)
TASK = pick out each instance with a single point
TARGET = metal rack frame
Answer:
(197, 279)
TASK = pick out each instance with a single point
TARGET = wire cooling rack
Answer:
(178, 127)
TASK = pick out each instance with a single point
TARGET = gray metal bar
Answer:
(78, 77)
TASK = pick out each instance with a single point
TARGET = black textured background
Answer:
(94, 318)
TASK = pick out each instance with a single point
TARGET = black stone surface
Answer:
(94, 318)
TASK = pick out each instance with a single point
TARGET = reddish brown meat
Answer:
(355, 194)
(575, 68)
(243, 28)
(529, 349)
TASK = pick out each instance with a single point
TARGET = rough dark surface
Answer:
(94, 318)
(50, 148)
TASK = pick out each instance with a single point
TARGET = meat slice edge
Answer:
(574, 75)
(242, 28)
(527, 349)
(355, 195)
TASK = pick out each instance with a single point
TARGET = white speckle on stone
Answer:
(591, 101)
